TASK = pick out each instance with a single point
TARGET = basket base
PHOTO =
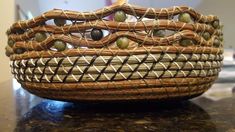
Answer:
(120, 95)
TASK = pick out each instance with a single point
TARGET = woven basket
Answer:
(160, 54)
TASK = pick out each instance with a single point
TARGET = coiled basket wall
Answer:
(118, 53)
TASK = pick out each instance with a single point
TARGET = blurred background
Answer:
(13, 10)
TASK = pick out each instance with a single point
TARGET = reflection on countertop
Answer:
(227, 75)
(213, 111)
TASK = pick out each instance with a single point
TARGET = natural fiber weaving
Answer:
(143, 53)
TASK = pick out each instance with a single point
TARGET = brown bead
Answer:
(39, 37)
(11, 42)
(186, 42)
(216, 24)
(185, 17)
(221, 38)
(59, 45)
(7, 53)
(120, 16)
(122, 42)
(206, 36)
(8, 32)
(216, 43)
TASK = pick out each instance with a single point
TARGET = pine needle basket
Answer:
(122, 52)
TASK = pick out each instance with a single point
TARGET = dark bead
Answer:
(20, 31)
(96, 34)
(59, 22)
(159, 33)
(19, 51)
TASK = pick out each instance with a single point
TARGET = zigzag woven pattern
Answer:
(140, 53)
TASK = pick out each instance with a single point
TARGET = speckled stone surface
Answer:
(211, 112)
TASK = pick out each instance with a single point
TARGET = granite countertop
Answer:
(23, 112)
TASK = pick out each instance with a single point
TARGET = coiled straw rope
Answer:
(175, 54)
